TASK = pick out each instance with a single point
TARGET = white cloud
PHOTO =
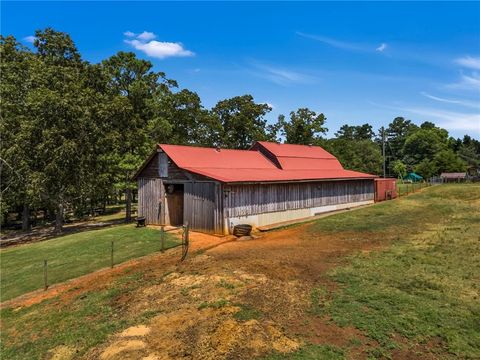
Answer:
(469, 62)
(382, 47)
(269, 105)
(146, 36)
(157, 49)
(452, 101)
(160, 49)
(29, 39)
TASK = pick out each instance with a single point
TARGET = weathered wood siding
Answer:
(203, 206)
(244, 200)
(160, 166)
(150, 196)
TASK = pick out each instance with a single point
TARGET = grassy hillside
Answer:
(399, 279)
(72, 255)
(426, 286)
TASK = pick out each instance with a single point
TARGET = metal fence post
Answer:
(45, 274)
(111, 257)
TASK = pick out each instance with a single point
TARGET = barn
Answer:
(215, 189)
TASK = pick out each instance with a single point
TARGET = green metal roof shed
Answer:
(413, 177)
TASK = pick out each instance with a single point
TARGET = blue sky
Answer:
(355, 62)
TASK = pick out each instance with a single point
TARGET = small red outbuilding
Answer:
(385, 189)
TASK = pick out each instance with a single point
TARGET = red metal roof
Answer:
(201, 157)
(296, 151)
(297, 162)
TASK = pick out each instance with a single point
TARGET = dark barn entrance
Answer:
(174, 204)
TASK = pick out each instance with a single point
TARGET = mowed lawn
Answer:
(73, 255)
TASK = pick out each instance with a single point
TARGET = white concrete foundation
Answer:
(288, 215)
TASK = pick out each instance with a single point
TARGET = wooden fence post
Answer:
(45, 274)
(162, 238)
(111, 257)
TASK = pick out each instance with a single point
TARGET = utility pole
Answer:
(383, 152)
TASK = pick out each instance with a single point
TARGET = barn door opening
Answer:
(174, 204)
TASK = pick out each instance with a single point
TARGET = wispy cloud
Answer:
(382, 47)
(450, 120)
(465, 103)
(467, 82)
(279, 75)
(344, 45)
(29, 39)
(469, 62)
(158, 49)
(331, 41)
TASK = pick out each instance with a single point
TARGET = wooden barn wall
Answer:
(154, 170)
(150, 194)
(244, 200)
(203, 206)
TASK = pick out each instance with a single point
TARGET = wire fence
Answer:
(409, 188)
(39, 265)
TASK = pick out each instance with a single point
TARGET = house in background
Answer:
(453, 177)
(216, 189)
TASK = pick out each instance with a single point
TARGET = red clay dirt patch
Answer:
(267, 281)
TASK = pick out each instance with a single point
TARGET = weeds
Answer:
(214, 304)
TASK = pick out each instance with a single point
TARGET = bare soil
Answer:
(229, 300)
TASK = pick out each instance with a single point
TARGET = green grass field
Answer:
(406, 188)
(425, 287)
(73, 255)
(420, 290)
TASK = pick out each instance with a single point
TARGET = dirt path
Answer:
(239, 300)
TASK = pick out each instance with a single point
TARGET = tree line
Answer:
(73, 133)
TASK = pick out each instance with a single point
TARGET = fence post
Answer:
(111, 257)
(162, 238)
(45, 274)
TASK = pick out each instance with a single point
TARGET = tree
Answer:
(396, 135)
(15, 162)
(241, 122)
(399, 169)
(180, 118)
(424, 144)
(447, 161)
(59, 107)
(304, 127)
(135, 90)
(359, 155)
(362, 132)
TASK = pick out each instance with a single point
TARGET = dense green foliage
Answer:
(74, 255)
(74, 133)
